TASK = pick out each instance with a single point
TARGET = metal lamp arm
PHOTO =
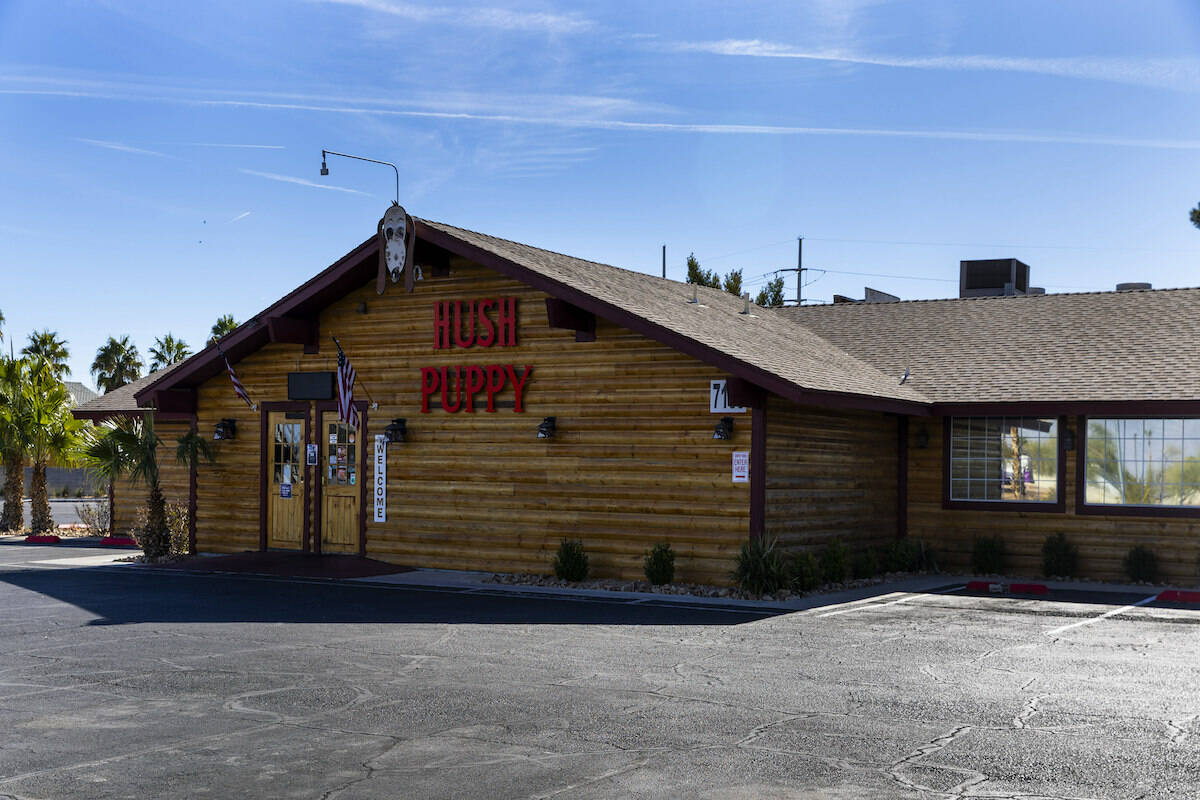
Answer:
(373, 161)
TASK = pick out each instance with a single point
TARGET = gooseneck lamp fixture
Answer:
(724, 429)
(547, 428)
(325, 168)
(397, 431)
(226, 429)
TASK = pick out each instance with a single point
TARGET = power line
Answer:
(1093, 248)
(740, 252)
(918, 243)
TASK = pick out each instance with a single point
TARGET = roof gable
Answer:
(760, 347)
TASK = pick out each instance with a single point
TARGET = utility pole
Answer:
(664, 261)
(799, 270)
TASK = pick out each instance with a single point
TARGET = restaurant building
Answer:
(509, 397)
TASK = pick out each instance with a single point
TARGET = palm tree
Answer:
(102, 454)
(140, 445)
(46, 345)
(54, 436)
(14, 438)
(224, 326)
(168, 350)
(1, 326)
(117, 363)
(191, 449)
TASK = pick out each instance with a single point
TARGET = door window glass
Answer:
(286, 458)
(341, 465)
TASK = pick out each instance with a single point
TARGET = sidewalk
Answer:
(353, 569)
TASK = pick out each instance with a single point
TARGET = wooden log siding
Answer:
(633, 461)
(830, 474)
(130, 498)
(1103, 541)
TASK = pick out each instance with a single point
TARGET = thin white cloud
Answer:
(726, 128)
(123, 148)
(242, 215)
(241, 146)
(480, 17)
(589, 122)
(274, 176)
(1165, 73)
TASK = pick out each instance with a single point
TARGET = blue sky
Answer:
(160, 160)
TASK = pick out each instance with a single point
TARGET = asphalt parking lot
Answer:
(120, 682)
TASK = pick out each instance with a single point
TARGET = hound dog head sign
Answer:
(397, 237)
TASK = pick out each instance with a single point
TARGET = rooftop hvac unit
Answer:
(992, 276)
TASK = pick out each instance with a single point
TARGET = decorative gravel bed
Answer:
(693, 589)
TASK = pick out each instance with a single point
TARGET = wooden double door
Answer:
(313, 474)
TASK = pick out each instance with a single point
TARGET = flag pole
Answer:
(237, 384)
(357, 380)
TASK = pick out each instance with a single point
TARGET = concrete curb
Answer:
(475, 582)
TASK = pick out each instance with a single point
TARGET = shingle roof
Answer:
(119, 401)
(80, 394)
(1095, 347)
(762, 340)
(1088, 347)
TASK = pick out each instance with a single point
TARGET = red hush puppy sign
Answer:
(491, 322)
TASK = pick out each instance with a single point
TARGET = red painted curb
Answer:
(1179, 596)
(118, 541)
(991, 587)
(1028, 588)
(42, 538)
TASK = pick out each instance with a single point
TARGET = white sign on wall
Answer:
(380, 478)
(741, 466)
(718, 399)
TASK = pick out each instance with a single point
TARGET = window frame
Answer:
(1084, 508)
(1059, 506)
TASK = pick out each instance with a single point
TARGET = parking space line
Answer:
(889, 603)
(862, 601)
(1103, 616)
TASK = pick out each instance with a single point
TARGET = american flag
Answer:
(238, 389)
(345, 389)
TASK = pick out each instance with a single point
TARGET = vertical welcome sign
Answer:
(380, 478)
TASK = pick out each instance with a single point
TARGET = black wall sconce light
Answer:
(1068, 439)
(361, 308)
(396, 431)
(226, 429)
(922, 438)
(724, 429)
(547, 428)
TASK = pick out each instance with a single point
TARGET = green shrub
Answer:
(570, 562)
(907, 555)
(95, 517)
(987, 556)
(1141, 564)
(79, 492)
(761, 567)
(1060, 558)
(659, 565)
(835, 561)
(805, 572)
(169, 542)
(864, 564)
